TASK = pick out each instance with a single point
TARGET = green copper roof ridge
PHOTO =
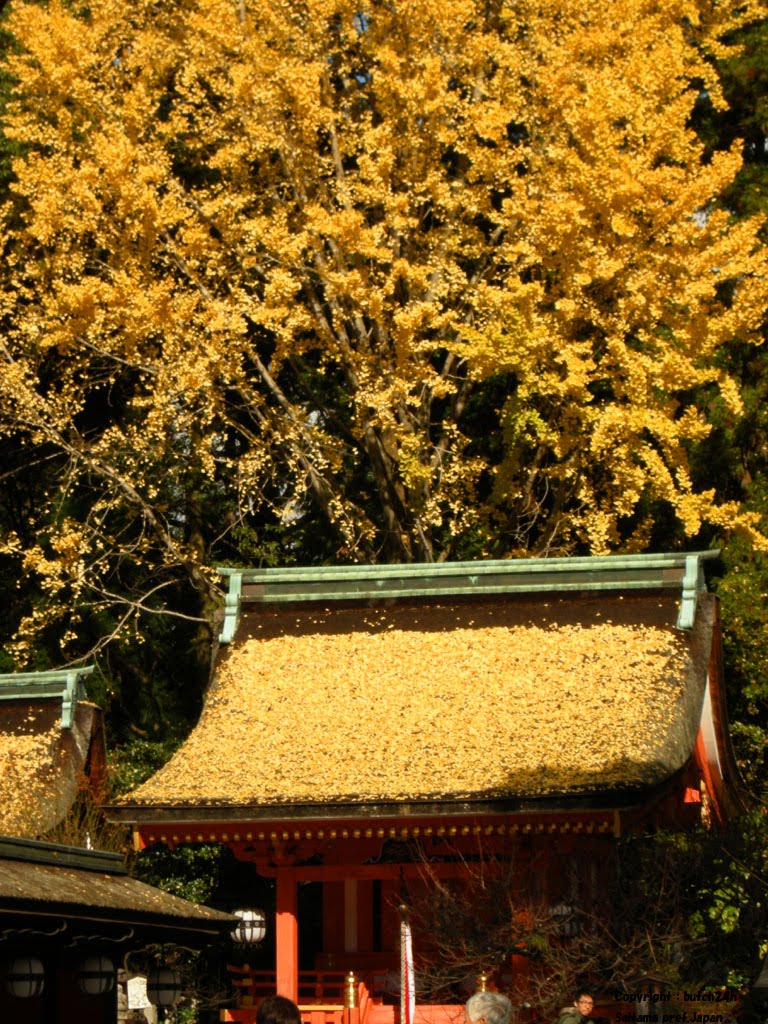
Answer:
(443, 579)
(66, 683)
(482, 566)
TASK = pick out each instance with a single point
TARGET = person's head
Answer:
(278, 1010)
(488, 1008)
(584, 1003)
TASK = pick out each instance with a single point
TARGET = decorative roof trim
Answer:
(477, 579)
(33, 851)
(64, 683)
(597, 824)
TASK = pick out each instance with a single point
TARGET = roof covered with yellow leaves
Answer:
(42, 765)
(442, 702)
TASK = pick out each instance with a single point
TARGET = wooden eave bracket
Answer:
(474, 579)
(66, 684)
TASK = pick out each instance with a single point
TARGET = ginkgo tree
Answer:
(439, 278)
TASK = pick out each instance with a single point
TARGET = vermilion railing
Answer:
(325, 987)
(321, 1000)
(320, 996)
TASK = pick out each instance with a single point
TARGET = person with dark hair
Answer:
(580, 1012)
(278, 1010)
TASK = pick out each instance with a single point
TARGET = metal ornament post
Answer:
(351, 999)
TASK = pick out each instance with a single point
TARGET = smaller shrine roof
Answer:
(51, 739)
(49, 880)
(443, 700)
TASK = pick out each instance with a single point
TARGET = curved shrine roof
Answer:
(444, 701)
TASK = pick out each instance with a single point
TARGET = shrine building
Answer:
(71, 918)
(371, 729)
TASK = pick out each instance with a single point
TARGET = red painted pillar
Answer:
(287, 935)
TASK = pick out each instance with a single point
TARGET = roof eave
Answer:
(607, 799)
(75, 915)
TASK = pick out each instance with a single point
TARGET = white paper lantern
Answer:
(251, 928)
(25, 977)
(96, 975)
(163, 986)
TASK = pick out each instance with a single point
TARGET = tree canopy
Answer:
(402, 281)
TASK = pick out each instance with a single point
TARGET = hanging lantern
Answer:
(250, 928)
(25, 977)
(566, 917)
(96, 976)
(163, 986)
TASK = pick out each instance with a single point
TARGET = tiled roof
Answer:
(444, 701)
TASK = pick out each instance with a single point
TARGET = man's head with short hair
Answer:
(584, 1003)
(488, 1008)
(278, 1010)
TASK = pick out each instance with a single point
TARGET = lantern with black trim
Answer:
(96, 975)
(25, 977)
(250, 928)
(163, 986)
